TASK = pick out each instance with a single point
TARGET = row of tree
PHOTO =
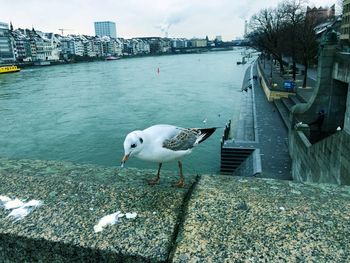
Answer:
(286, 30)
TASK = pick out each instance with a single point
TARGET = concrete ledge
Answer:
(233, 219)
(305, 141)
(214, 219)
(251, 166)
(62, 230)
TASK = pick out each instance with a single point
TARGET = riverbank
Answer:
(84, 59)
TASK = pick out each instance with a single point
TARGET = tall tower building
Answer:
(105, 28)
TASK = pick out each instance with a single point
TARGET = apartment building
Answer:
(6, 47)
(345, 25)
(105, 28)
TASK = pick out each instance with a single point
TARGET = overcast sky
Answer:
(137, 18)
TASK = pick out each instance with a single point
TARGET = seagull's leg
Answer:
(181, 181)
(157, 178)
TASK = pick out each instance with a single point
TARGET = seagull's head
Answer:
(133, 144)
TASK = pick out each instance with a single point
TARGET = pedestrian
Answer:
(319, 121)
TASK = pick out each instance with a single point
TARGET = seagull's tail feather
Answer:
(205, 134)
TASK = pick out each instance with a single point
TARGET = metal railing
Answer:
(226, 134)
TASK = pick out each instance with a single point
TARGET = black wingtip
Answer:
(207, 133)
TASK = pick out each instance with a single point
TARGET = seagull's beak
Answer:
(125, 158)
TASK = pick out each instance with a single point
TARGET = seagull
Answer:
(164, 143)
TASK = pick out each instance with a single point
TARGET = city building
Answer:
(78, 46)
(345, 25)
(156, 45)
(21, 45)
(218, 38)
(320, 14)
(6, 47)
(196, 42)
(89, 47)
(179, 43)
(105, 28)
(51, 47)
(30, 46)
(110, 47)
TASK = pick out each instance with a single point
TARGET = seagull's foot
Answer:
(154, 181)
(180, 183)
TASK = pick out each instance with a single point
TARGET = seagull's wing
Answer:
(185, 139)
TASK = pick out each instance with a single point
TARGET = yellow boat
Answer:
(9, 69)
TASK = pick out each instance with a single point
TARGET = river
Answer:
(82, 112)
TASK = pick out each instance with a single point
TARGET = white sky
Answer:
(137, 18)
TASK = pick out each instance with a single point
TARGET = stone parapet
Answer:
(75, 198)
(264, 220)
(214, 219)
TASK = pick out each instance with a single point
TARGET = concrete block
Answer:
(256, 220)
(75, 198)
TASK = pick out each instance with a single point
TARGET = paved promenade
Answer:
(303, 93)
(260, 126)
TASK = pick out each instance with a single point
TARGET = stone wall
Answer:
(251, 166)
(323, 91)
(347, 114)
(342, 67)
(341, 72)
(324, 162)
(330, 92)
(327, 160)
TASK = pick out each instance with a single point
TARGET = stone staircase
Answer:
(232, 158)
(284, 107)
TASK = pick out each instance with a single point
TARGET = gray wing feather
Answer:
(182, 141)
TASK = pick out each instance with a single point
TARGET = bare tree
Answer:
(286, 30)
(266, 33)
(294, 14)
(307, 43)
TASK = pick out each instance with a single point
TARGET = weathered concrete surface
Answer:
(222, 219)
(75, 198)
(233, 219)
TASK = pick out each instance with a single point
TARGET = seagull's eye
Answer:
(133, 145)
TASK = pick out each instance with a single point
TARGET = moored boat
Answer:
(112, 58)
(9, 69)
